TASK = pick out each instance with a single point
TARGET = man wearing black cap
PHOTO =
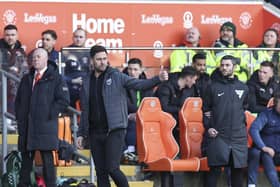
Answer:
(224, 121)
(228, 40)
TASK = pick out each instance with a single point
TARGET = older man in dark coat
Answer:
(41, 96)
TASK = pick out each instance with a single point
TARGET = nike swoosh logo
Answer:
(220, 94)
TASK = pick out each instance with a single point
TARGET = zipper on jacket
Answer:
(97, 103)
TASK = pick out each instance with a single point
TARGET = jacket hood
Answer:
(254, 80)
(204, 76)
(17, 45)
(217, 76)
(236, 42)
(110, 70)
(173, 78)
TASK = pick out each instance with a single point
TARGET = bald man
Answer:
(192, 37)
(183, 57)
(41, 96)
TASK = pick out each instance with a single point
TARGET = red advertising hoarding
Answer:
(145, 24)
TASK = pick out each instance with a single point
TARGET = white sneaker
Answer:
(10, 126)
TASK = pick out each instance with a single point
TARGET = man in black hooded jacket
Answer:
(226, 135)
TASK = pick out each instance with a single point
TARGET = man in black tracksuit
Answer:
(135, 70)
(104, 115)
(262, 86)
(226, 135)
(41, 96)
(173, 93)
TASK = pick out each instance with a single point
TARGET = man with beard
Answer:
(104, 114)
(228, 40)
(226, 135)
(199, 63)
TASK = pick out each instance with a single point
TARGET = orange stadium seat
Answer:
(191, 130)
(249, 120)
(64, 133)
(156, 145)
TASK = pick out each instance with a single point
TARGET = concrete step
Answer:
(83, 171)
(137, 184)
(12, 139)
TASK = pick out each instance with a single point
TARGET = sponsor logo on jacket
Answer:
(239, 93)
(109, 81)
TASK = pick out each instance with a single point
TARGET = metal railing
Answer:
(75, 113)
(5, 115)
(127, 51)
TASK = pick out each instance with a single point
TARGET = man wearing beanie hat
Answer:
(229, 26)
(228, 40)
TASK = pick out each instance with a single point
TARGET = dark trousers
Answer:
(49, 171)
(130, 138)
(106, 150)
(236, 175)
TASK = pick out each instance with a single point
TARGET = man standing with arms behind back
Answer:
(104, 115)
(226, 134)
(41, 96)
